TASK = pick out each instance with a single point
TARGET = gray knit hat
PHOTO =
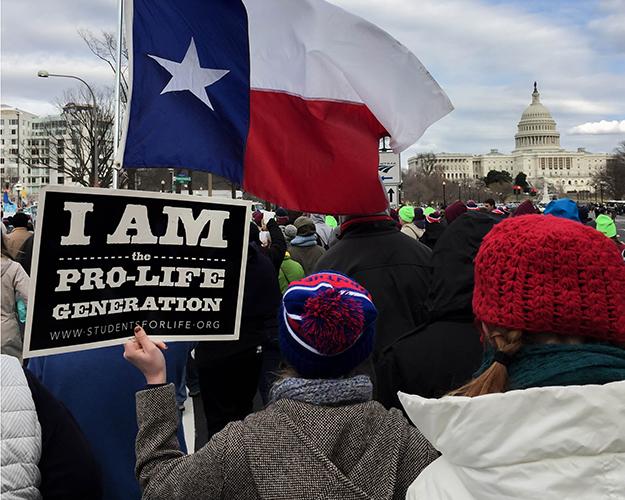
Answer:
(290, 232)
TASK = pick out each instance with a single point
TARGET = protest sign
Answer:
(105, 260)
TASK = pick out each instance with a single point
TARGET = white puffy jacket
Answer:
(20, 439)
(549, 443)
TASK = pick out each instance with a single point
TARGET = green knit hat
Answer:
(606, 225)
(331, 221)
(428, 211)
(406, 214)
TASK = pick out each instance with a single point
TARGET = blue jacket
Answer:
(98, 387)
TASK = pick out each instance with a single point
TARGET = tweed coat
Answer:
(290, 450)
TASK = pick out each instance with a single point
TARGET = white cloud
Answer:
(600, 127)
(486, 55)
(610, 26)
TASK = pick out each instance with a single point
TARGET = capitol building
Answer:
(537, 153)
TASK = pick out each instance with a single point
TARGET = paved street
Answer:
(620, 226)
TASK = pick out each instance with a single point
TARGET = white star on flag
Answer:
(189, 75)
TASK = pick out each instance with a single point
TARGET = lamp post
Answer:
(17, 159)
(601, 188)
(94, 149)
(162, 186)
(444, 195)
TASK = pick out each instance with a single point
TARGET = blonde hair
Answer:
(495, 378)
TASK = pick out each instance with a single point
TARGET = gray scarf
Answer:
(326, 392)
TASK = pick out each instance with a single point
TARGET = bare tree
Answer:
(65, 144)
(611, 179)
(420, 188)
(104, 47)
(427, 163)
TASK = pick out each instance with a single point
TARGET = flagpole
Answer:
(118, 71)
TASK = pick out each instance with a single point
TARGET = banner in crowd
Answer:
(107, 260)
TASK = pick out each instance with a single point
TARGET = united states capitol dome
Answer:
(537, 128)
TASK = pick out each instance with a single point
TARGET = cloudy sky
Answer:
(486, 54)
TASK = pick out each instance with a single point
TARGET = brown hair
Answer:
(495, 378)
(285, 371)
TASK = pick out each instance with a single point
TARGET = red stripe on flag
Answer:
(313, 155)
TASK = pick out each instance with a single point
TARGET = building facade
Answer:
(32, 150)
(537, 153)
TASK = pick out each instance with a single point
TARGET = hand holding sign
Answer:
(146, 355)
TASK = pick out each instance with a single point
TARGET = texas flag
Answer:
(287, 98)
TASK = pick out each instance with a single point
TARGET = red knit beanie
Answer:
(547, 274)
(525, 208)
(455, 210)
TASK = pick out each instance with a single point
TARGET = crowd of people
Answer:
(468, 351)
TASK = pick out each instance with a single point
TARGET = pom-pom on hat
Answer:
(327, 325)
(566, 279)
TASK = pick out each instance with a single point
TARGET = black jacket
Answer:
(25, 255)
(432, 233)
(393, 267)
(443, 353)
(261, 301)
(68, 467)
(276, 250)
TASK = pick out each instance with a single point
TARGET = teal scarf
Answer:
(562, 364)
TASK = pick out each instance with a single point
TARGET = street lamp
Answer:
(172, 180)
(94, 150)
(601, 188)
(162, 186)
(444, 195)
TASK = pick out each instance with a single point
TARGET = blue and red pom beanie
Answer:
(327, 325)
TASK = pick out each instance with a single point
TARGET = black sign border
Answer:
(28, 353)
